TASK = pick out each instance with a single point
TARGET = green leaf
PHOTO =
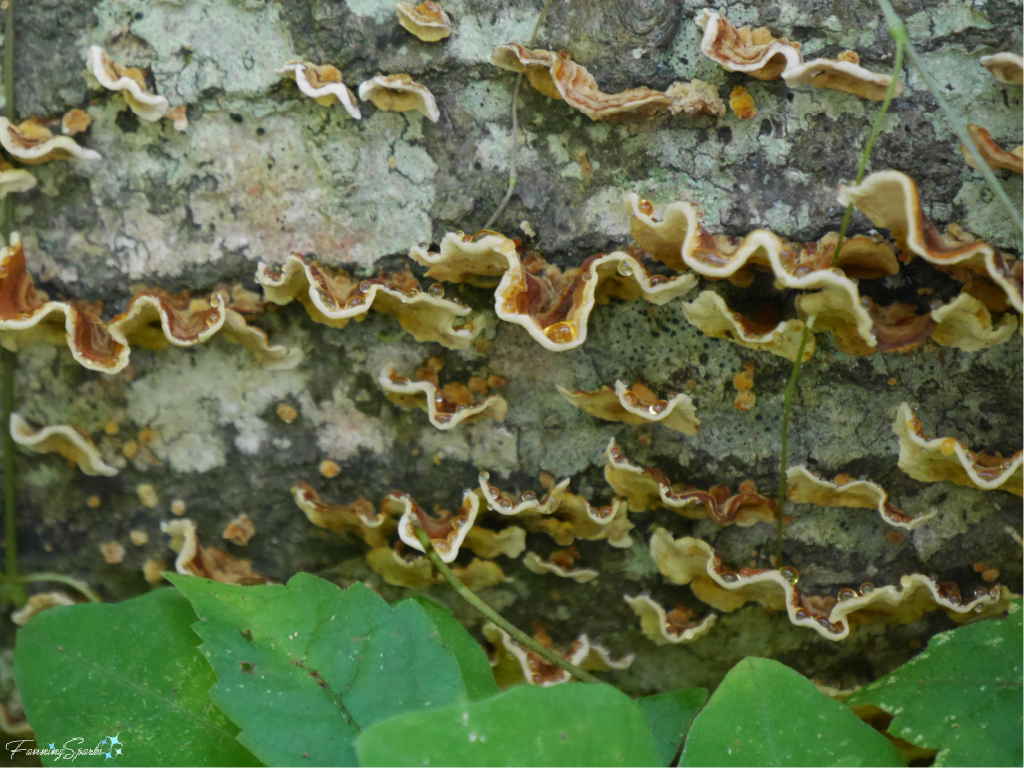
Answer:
(475, 666)
(961, 695)
(568, 724)
(131, 670)
(303, 667)
(764, 713)
(669, 716)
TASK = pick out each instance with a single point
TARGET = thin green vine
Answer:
(515, 125)
(517, 634)
(8, 359)
(899, 34)
(787, 403)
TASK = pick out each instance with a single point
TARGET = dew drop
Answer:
(365, 286)
(355, 302)
(625, 268)
(730, 577)
(485, 476)
(658, 406)
(645, 207)
(790, 574)
(505, 504)
(978, 608)
(846, 594)
(529, 496)
(953, 599)
(867, 588)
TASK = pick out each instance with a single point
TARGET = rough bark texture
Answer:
(263, 171)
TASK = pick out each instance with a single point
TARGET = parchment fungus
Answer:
(358, 517)
(130, 82)
(637, 405)
(399, 93)
(69, 442)
(692, 561)
(680, 625)
(553, 306)
(515, 663)
(760, 54)
(323, 84)
(649, 489)
(447, 406)
(33, 143)
(206, 562)
(333, 298)
(805, 487)
(933, 460)
(557, 76)
(1005, 67)
(427, 21)
(561, 563)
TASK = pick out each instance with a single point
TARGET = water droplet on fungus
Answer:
(645, 207)
(365, 286)
(730, 577)
(867, 588)
(846, 594)
(561, 333)
(529, 496)
(948, 446)
(790, 574)
(625, 269)
(953, 599)
(658, 406)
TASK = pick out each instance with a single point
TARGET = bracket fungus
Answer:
(14, 180)
(333, 298)
(527, 503)
(515, 663)
(562, 515)
(447, 406)
(488, 544)
(557, 76)
(33, 143)
(1005, 67)
(755, 52)
(636, 405)
(649, 489)
(805, 487)
(891, 200)
(561, 563)
(399, 93)
(63, 439)
(553, 306)
(206, 562)
(994, 155)
(680, 625)
(692, 561)
(153, 319)
(965, 323)
(760, 54)
(860, 327)
(322, 83)
(357, 517)
(401, 569)
(131, 83)
(446, 531)
(36, 604)
(713, 317)
(933, 460)
(427, 21)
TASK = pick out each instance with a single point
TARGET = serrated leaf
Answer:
(132, 670)
(764, 713)
(669, 716)
(961, 695)
(473, 662)
(569, 724)
(303, 667)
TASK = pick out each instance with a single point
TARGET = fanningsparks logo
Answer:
(109, 747)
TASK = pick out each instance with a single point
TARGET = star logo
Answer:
(53, 746)
(108, 756)
(114, 741)
(119, 750)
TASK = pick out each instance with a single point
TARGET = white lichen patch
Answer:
(230, 47)
(342, 430)
(194, 394)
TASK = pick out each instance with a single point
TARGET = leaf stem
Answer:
(899, 34)
(9, 359)
(866, 154)
(515, 125)
(787, 408)
(60, 578)
(517, 634)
